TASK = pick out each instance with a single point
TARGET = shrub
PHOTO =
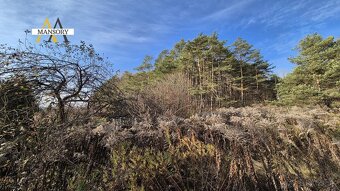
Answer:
(166, 97)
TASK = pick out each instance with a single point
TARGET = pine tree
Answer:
(250, 71)
(316, 79)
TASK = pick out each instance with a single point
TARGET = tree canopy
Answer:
(316, 78)
(220, 74)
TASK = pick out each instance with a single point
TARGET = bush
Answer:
(17, 107)
(166, 97)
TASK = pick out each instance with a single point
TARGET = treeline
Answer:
(220, 75)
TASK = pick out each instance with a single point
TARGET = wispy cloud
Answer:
(230, 10)
(327, 9)
(292, 13)
(126, 30)
(107, 23)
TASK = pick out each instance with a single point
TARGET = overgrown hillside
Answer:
(202, 116)
(251, 148)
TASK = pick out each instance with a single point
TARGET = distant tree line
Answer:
(211, 74)
(219, 75)
(223, 75)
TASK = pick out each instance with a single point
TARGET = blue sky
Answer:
(127, 30)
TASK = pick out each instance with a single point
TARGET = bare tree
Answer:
(62, 74)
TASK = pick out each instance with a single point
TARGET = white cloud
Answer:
(230, 10)
(140, 27)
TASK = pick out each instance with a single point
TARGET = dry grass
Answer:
(165, 97)
(250, 148)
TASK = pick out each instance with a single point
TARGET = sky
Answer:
(127, 30)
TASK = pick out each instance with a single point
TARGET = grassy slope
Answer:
(266, 148)
(250, 148)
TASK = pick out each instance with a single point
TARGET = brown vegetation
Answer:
(167, 96)
(251, 148)
(65, 125)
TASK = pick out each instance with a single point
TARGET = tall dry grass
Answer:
(250, 148)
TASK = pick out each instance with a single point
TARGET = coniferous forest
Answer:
(204, 115)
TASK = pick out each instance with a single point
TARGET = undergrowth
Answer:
(251, 148)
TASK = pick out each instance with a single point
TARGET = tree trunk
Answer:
(242, 90)
(61, 108)
(200, 83)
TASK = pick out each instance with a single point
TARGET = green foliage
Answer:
(316, 79)
(146, 65)
(251, 73)
(220, 75)
(168, 61)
